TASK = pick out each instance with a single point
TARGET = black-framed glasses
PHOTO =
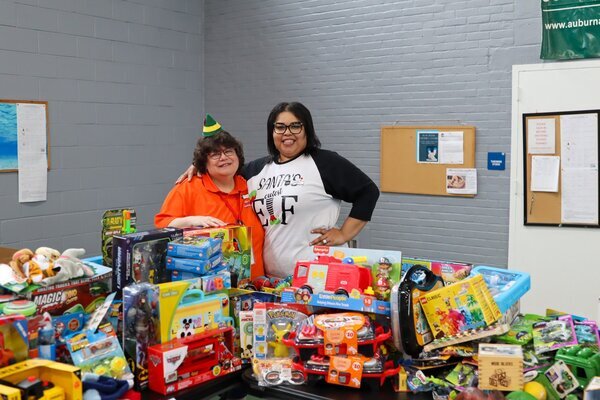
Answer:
(280, 128)
(217, 154)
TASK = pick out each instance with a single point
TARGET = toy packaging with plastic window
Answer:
(464, 305)
(115, 222)
(141, 257)
(273, 372)
(191, 360)
(554, 334)
(507, 286)
(273, 322)
(141, 328)
(587, 333)
(185, 310)
(450, 271)
(14, 339)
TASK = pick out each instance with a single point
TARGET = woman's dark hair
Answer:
(302, 113)
(212, 144)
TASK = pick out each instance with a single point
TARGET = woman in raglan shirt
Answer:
(297, 191)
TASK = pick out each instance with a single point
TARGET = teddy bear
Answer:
(19, 258)
(67, 266)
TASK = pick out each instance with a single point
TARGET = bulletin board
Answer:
(402, 173)
(9, 134)
(546, 208)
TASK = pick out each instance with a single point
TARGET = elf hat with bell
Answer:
(211, 127)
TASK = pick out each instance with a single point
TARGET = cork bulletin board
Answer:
(402, 173)
(546, 208)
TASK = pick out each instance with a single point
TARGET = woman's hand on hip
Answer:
(328, 237)
(189, 174)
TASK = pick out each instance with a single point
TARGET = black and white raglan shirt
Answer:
(293, 197)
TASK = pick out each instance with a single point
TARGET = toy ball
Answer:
(101, 370)
(117, 365)
(520, 395)
(535, 389)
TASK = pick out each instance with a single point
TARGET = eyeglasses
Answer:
(217, 154)
(280, 128)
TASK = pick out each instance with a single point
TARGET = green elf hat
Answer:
(211, 127)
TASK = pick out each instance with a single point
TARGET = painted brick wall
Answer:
(362, 64)
(124, 81)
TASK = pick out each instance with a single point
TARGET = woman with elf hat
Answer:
(219, 196)
(297, 190)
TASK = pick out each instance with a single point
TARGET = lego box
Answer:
(197, 248)
(76, 295)
(500, 367)
(141, 257)
(465, 305)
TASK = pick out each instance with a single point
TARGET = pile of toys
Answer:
(169, 309)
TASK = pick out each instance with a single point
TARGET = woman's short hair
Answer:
(207, 145)
(302, 113)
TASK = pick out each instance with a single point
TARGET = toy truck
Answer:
(330, 274)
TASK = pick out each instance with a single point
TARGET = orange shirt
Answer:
(201, 196)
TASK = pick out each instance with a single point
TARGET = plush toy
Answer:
(38, 268)
(18, 259)
(68, 266)
(50, 253)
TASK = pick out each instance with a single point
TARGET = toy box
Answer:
(272, 322)
(197, 266)
(115, 222)
(218, 280)
(195, 247)
(354, 302)
(76, 295)
(385, 265)
(583, 361)
(189, 361)
(465, 305)
(507, 286)
(246, 329)
(141, 257)
(500, 366)
(62, 381)
(561, 378)
(592, 390)
(14, 339)
(141, 328)
(236, 248)
(450, 271)
(185, 310)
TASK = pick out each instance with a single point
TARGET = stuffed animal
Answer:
(18, 259)
(38, 268)
(68, 266)
(50, 253)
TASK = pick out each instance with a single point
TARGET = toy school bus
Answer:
(329, 274)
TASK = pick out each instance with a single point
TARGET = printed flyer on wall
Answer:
(461, 180)
(427, 146)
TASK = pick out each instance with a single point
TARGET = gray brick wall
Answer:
(124, 82)
(362, 64)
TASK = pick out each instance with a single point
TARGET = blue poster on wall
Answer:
(427, 146)
(8, 136)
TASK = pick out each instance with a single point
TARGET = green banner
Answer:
(570, 29)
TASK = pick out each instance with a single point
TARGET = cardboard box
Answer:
(6, 254)
(141, 257)
(83, 294)
(500, 367)
(195, 266)
(464, 305)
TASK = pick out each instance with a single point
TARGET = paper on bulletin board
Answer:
(579, 140)
(544, 173)
(579, 200)
(461, 180)
(32, 154)
(541, 136)
(427, 147)
(451, 147)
